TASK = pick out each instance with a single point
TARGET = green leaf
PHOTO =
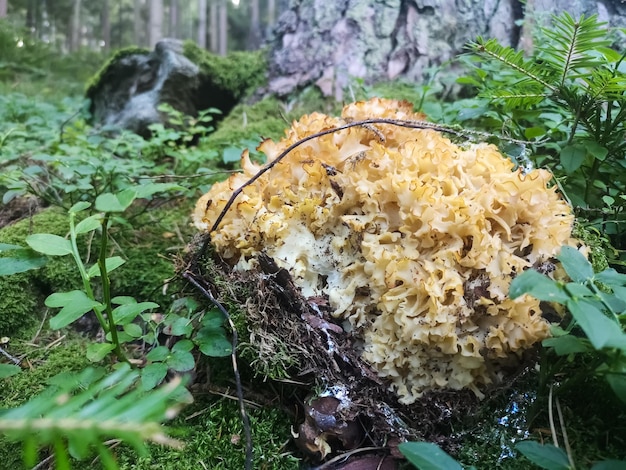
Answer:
(546, 456)
(49, 244)
(618, 384)
(7, 370)
(159, 353)
(428, 456)
(213, 343)
(213, 319)
(110, 264)
(597, 151)
(532, 132)
(183, 345)
(601, 330)
(89, 224)
(80, 206)
(119, 202)
(566, 345)
(572, 157)
(133, 329)
(575, 264)
(98, 351)
(177, 325)
(231, 155)
(152, 375)
(611, 278)
(22, 260)
(9, 247)
(181, 361)
(149, 189)
(609, 465)
(74, 305)
(539, 286)
(126, 313)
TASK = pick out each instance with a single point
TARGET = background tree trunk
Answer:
(174, 22)
(106, 25)
(213, 26)
(76, 24)
(155, 26)
(222, 46)
(331, 43)
(138, 23)
(271, 12)
(254, 31)
(202, 23)
(4, 8)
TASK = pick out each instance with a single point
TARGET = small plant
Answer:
(79, 412)
(597, 304)
(568, 100)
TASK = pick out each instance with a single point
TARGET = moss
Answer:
(213, 437)
(21, 302)
(600, 249)
(265, 119)
(93, 84)
(238, 72)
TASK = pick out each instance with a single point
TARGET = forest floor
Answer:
(156, 238)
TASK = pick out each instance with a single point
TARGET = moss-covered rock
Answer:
(131, 87)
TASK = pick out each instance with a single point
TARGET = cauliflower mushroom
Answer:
(413, 239)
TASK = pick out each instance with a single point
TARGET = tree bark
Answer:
(138, 23)
(213, 26)
(155, 27)
(174, 23)
(202, 23)
(75, 32)
(222, 47)
(271, 14)
(254, 32)
(4, 8)
(106, 25)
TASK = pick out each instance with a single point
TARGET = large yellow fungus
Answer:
(413, 239)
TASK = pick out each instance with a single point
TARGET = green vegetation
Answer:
(117, 223)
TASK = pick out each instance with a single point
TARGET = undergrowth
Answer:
(135, 196)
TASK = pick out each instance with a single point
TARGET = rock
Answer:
(128, 90)
(331, 43)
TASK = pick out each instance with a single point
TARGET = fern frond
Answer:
(573, 43)
(514, 60)
(82, 412)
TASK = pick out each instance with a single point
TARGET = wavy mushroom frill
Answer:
(413, 239)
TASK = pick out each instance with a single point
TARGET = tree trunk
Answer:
(138, 23)
(174, 23)
(254, 32)
(4, 8)
(75, 31)
(202, 23)
(213, 26)
(271, 13)
(222, 47)
(331, 43)
(378, 40)
(106, 25)
(155, 28)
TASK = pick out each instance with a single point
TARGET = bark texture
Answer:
(330, 43)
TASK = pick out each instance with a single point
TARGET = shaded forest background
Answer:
(69, 25)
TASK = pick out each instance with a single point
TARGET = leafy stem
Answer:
(83, 272)
(106, 290)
